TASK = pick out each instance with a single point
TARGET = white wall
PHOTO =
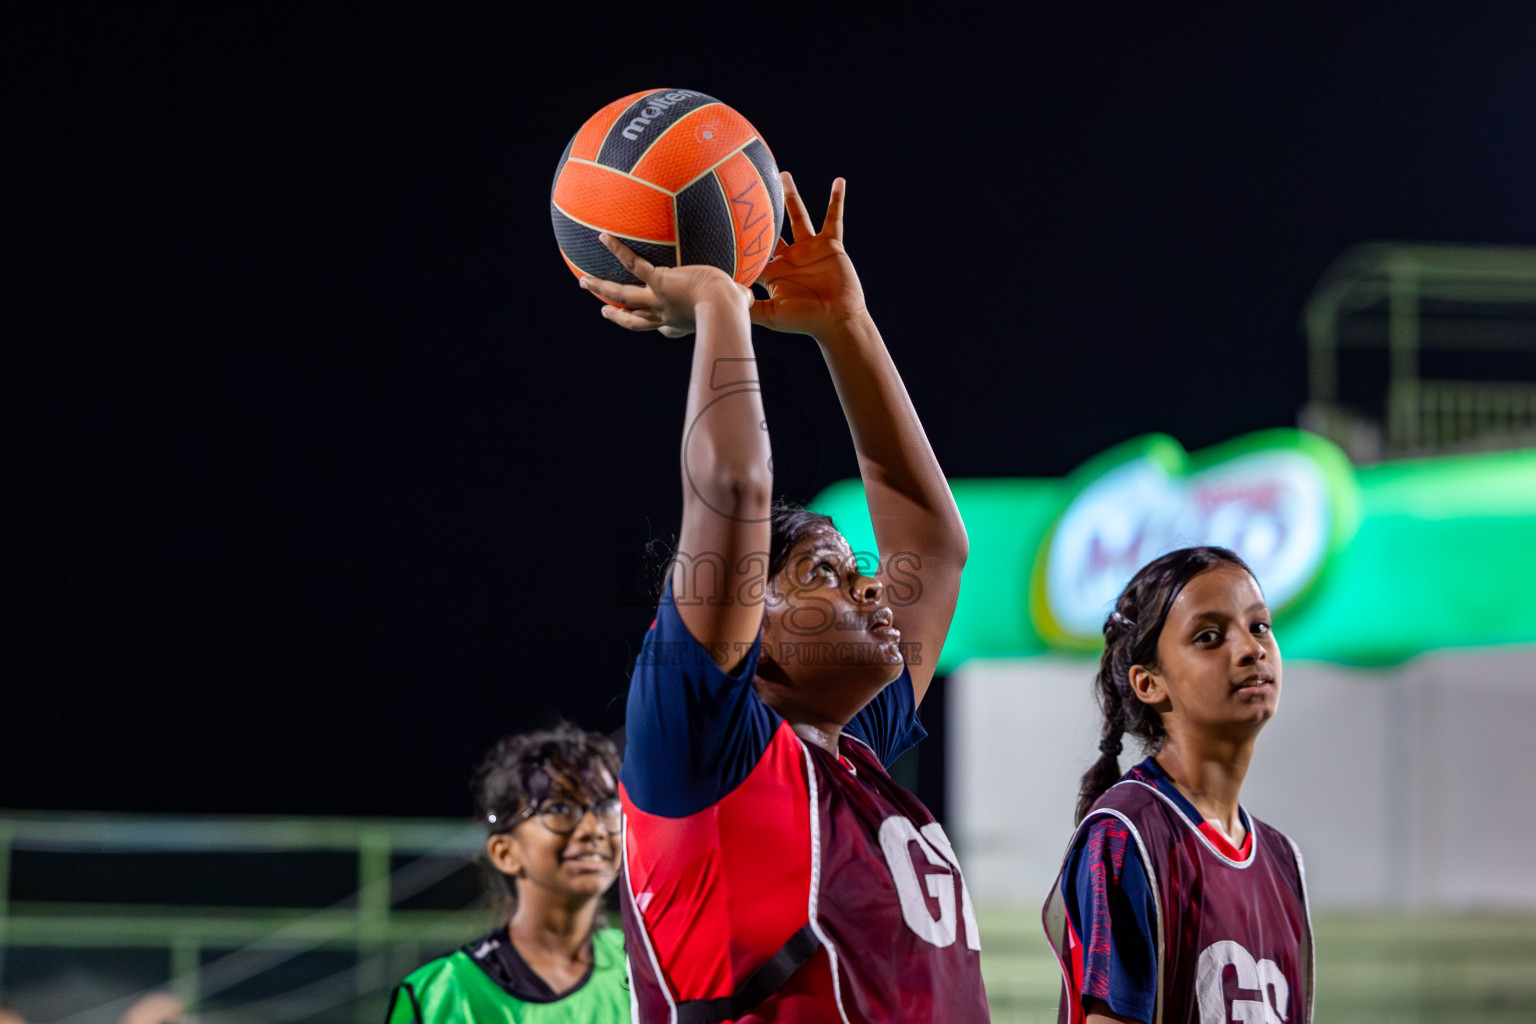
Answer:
(1408, 787)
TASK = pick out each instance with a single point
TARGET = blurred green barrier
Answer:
(214, 948)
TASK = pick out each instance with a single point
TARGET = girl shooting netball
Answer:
(774, 870)
(1174, 905)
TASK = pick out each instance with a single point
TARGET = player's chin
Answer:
(591, 876)
(882, 666)
(1258, 708)
(881, 657)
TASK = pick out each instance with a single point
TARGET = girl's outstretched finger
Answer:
(799, 216)
(649, 316)
(630, 319)
(833, 225)
(633, 261)
(630, 295)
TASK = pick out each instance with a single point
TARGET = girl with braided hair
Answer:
(1173, 904)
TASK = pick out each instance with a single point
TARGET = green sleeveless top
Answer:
(486, 982)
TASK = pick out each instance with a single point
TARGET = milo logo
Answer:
(1281, 499)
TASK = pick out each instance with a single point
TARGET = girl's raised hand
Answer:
(666, 297)
(811, 284)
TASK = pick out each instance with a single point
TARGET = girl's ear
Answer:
(1147, 685)
(504, 854)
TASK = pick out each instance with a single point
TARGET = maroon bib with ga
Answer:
(1234, 937)
(886, 930)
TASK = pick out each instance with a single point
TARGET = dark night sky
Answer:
(322, 473)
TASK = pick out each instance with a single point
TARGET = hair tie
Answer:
(1122, 620)
(1110, 747)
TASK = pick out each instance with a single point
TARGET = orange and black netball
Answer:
(677, 176)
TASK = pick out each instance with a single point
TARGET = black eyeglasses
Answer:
(562, 816)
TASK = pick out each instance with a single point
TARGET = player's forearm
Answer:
(909, 499)
(725, 456)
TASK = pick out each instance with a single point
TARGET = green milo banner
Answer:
(1362, 566)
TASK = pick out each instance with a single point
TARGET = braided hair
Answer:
(1131, 633)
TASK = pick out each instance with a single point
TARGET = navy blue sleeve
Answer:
(1110, 904)
(692, 733)
(889, 724)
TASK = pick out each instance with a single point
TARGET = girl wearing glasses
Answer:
(773, 869)
(550, 804)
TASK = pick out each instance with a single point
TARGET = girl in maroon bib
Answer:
(1173, 904)
(774, 872)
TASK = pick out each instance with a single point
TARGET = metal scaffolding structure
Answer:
(1408, 299)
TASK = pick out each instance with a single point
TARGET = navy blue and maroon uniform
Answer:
(1158, 915)
(767, 879)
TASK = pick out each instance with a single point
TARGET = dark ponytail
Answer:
(1131, 633)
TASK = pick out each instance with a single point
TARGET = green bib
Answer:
(455, 990)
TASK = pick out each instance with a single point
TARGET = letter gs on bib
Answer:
(896, 836)
(1262, 979)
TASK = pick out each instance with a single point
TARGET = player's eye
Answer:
(557, 809)
(1207, 636)
(1261, 629)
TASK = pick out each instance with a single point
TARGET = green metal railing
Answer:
(388, 940)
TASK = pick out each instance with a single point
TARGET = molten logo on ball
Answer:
(653, 109)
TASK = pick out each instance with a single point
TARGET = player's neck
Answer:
(824, 736)
(818, 726)
(550, 928)
(1210, 774)
(817, 729)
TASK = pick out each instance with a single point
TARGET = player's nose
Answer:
(1250, 649)
(588, 825)
(868, 589)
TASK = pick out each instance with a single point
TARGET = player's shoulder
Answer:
(1277, 842)
(434, 991)
(1131, 800)
(669, 646)
(1146, 798)
(678, 687)
(444, 970)
(1104, 840)
(693, 732)
(737, 768)
(1133, 814)
(1265, 830)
